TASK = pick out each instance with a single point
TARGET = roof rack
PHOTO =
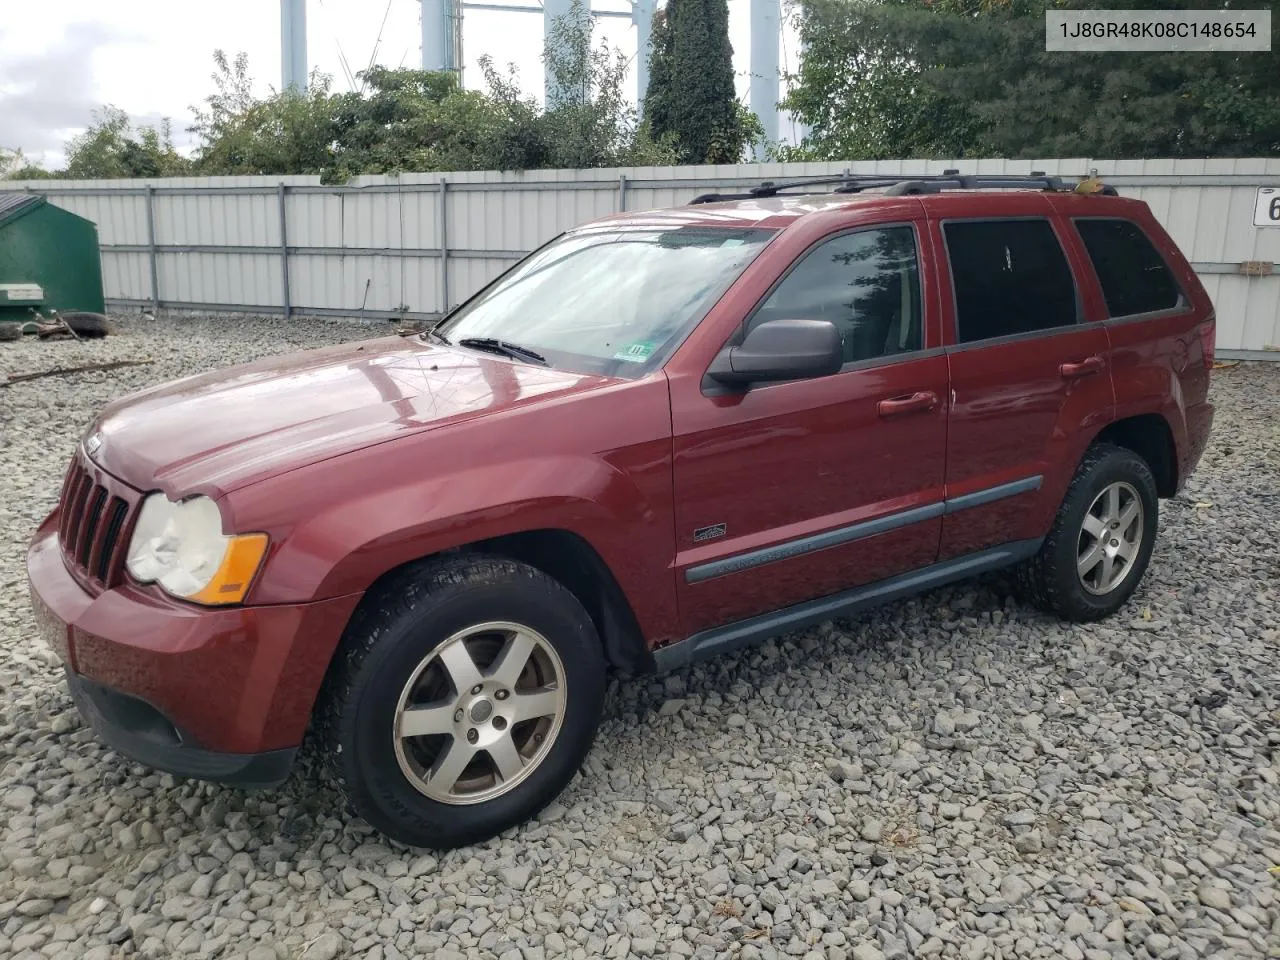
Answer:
(903, 185)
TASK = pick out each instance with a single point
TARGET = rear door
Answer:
(1029, 382)
(797, 490)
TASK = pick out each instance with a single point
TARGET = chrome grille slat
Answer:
(75, 536)
(93, 515)
(103, 564)
(66, 529)
(96, 520)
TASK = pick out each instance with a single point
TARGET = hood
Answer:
(218, 431)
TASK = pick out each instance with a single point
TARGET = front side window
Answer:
(867, 283)
(1134, 277)
(612, 302)
(1010, 277)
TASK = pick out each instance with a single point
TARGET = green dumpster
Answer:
(48, 259)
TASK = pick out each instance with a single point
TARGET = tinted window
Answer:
(866, 283)
(1010, 276)
(1133, 275)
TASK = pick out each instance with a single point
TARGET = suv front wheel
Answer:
(1101, 539)
(467, 696)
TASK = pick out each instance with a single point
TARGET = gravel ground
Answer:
(956, 776)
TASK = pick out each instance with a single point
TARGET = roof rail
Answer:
(903, 185)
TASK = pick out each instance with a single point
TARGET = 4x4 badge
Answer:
(708, 533)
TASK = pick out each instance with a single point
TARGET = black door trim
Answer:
(818, 541)
(980, 498)
(744, 633)
(857, 531)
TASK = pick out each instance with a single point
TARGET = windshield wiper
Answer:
(504, 348)
(437, 336)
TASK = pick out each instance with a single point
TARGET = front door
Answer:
(797, 490)
(1028, 379)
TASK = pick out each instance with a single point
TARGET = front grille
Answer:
(97, 511)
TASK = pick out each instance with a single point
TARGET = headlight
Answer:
(181, 546)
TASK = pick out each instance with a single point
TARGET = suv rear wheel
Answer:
(469, 693)
(1101, 539)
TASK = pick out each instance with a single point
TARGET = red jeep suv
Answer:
(663, 435)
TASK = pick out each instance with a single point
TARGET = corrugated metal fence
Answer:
(383, 246)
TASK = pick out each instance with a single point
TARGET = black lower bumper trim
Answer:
(141, 732)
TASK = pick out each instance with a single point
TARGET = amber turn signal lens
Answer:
(239, 564)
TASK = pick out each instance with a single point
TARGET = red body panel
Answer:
(234, 680)
(1013, 414)
(791, 460)
(1157, 363)
(357, 459)
(597, 464)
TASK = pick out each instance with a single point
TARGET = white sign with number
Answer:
(1266, 212)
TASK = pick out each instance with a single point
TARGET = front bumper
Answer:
(214, 693)
(138, 730)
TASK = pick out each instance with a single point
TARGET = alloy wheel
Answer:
(1110, 538)
(479, 713)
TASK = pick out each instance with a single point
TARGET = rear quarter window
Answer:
(1134, 277)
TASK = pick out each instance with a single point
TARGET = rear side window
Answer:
(1010, 277)
(1134, 277)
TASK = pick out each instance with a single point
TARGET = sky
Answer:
(62, 59)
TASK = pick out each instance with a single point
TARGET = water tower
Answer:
(442, 42)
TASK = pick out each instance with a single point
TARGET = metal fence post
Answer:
(151, 248)
(444, 246)
(281, 191)
(622, 193)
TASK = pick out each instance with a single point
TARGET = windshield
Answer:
(610, 302)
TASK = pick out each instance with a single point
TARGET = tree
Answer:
(15, 166)
(287, 133)
(396, 121)
(965, 78)
(418, 121)
(658, 116)
(691, 95)
(593, 125)
(112, 148)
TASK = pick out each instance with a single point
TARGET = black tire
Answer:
(392, 633)
(87, 324)
(1050, 579)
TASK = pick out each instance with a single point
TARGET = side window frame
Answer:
(1063, 247)
(925, 350)
(1183, 305)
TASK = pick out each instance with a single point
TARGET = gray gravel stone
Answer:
(951, 776)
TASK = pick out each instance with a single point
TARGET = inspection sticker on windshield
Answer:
(637, 352)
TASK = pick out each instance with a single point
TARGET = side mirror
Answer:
(781, 350)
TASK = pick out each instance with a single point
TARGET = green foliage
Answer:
(966, 78)
(15, 166)
(590, 125)
(659, 115)
(113, 148)
(593, 125)
(411, 120)
(691, 99)
(422, 121)
(397, 121)
(286, 133)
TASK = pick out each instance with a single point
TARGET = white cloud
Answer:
(153, 58)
